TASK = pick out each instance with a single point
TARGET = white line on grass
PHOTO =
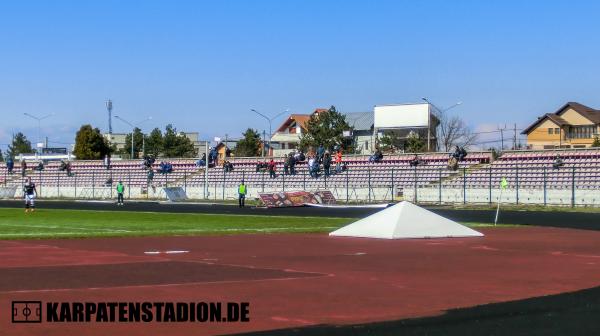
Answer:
(173, 231)
(64, 227)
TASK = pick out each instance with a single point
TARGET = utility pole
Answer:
(502, 137)
(515, 137)
(264, 143)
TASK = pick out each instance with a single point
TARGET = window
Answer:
(291, 145)
(557, 131)
(550, 130)
(582, 132)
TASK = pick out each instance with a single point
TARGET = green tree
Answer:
(325, 128)
(596, 142)
(19, 145)
(250, 145)
(414, 143)
(1, 156)
(177, 145)
(138, 142)
(154, 142)
(90, 144)
(391, 140)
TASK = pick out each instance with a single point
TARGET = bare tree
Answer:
(453, 131)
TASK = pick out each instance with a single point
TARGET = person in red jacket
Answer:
(338, 161)
(271, 168)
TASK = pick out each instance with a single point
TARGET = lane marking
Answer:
(166, 252)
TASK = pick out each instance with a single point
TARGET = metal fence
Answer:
(542, 185)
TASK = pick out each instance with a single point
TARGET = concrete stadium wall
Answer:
(429, 195)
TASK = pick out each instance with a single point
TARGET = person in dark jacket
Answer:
(326, 163)
(10, 165)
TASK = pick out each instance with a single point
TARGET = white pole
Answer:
(206, 171)
(498, 208)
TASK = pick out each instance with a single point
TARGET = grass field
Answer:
(47, 223)
(50, 223)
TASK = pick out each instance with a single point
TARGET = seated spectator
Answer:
(415, 161)
(108, 182)
(271, 167)
(459, 153)
(377, 156)
(261, 167)
(10, 165)
(227, 166)
(63, 165)
(69, 170)
(558, 162)
(453, 163)
(148, 162)
(202, 162)
(40, 166)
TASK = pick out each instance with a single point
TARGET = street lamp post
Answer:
(39, 120)
(440, 114)
(133, 130)
(269, 120)
(109, 107)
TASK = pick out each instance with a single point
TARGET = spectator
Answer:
(202, 162)
(150, 176)
(415, 161)
(213, 156)
(326, 163)
(320, 153)
(107, 161)
(558, 162)
(377, 156)
(313, 166)
(10, 165)
(148, 162)
(286, 164)
(271, 168)
(459, 153)
(453, 163)
(108, 182)
(23, 168)
(68, 169)
(292, 164)
(338, 161)
(40, 166)
(227, 166)
(260, 166)
(299, 157)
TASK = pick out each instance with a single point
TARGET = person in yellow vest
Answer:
(242, 191)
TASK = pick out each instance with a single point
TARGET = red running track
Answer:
(294, 280)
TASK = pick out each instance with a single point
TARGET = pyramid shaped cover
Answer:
(405, 220)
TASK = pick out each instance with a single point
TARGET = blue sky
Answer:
(202, 65)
